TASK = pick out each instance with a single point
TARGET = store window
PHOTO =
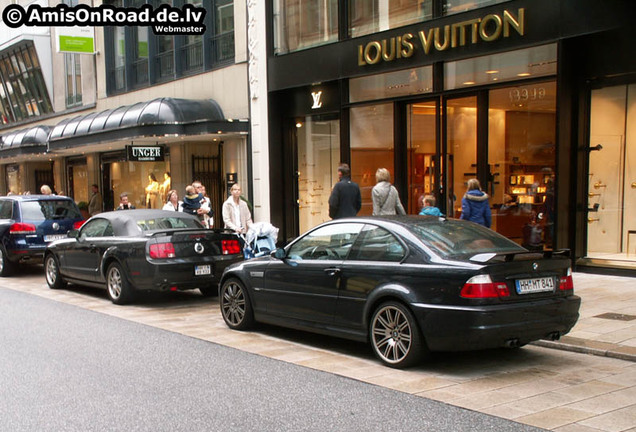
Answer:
(372, 16)
(142, 181)
(371, 148)
(13, 179)
(392, 84)
(78, 179)
(521, 157)
(300, 24)
(527, 63)
(457, 6)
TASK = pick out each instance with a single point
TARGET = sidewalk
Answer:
(607, 322)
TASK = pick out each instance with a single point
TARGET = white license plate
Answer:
(526, 286)
(53, 237)
(200, 270)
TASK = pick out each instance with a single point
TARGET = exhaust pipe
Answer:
(512, 343)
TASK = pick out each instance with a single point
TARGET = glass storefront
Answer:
(372, 16)
(300, 24)
(422, 153)
(318, 156)
(611, 217)
(13, 179)
(371, 148)
(142, 181)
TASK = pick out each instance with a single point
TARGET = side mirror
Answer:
(73, 234)
(279, 253)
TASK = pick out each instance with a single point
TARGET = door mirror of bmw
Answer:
(279, 253)
(73, 234)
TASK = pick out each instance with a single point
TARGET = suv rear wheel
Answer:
(6, 266)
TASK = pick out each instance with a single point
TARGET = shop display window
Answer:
(392, 84)
(13, 179)
(142, 181)
(371, 148)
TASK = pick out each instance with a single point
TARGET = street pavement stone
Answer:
(538, 385)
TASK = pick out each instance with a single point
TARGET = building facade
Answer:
(142, 114)
(536, 99)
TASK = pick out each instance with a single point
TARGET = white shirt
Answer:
(237, 213)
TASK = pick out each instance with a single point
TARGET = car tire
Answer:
(52, 273)
(395, 336)
(6, 266)
(209, 291)
(235, 304)
(117, 286)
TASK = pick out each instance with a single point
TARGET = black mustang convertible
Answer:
(408, 285)
(142, 250)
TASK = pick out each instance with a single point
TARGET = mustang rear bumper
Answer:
(450, 328)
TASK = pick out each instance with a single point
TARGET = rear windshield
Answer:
(49, 209)
(167, 223)
(453, 239)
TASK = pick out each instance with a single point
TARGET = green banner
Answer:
(76, 44)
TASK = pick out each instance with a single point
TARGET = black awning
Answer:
(158, 117)
(27, 141)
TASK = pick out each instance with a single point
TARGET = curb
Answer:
(583, 346)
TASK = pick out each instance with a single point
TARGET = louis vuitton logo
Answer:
(316, 96)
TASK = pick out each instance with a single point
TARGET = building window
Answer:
(457, 6)
(391, 84)
(23, 93)
(372, 16)
(137, 58)
(73, 80)
(300, 24)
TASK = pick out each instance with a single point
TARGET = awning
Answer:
(27, 141)
(156, 118)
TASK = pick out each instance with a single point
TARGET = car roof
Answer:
(402, 220)
(137, 214)
(36, 197)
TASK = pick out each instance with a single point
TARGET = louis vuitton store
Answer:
(529, 97)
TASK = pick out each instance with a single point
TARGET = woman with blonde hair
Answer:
(172, 201)
(386, 200)
(475, 206)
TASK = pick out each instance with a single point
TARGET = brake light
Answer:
(162, 250)
(78, 224)
(22, 228)
(230, 247)
(481, 286)
(566, 283)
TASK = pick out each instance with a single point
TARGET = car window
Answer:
(6, 209)
(377, 244)
(96, 228)
(454, 238)
(167, 223)
(331, 242)
(49, 209)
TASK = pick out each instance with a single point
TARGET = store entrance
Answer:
(317, 155)
(611, 221)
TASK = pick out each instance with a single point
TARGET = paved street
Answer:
(537, 386)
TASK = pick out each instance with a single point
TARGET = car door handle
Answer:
(332, 271)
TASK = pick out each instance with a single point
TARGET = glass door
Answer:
(318, 156)
(611, 227)
(422, 156)
(461, 150)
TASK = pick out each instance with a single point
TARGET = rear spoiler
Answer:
(186, 230)
(510, 256)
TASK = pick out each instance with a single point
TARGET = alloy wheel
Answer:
(233, 304)
(392, 335)
(51, 271)
(114, 282)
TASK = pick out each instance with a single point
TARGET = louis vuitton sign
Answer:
(489, 28)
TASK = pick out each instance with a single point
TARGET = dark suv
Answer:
(29, 222)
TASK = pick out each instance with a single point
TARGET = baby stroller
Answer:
(260, 240)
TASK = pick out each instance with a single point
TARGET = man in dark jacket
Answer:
(345, 199)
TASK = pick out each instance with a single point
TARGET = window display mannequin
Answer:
(165, 186)
(152, 192)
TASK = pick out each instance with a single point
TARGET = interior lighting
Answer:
(492, 71)
(523, 74)
(299, 125)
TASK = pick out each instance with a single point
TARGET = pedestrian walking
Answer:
(475, 206)
(345, 199)
(386, 200)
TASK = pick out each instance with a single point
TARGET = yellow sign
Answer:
(487, 29)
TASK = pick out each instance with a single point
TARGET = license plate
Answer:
(527, 286)
(53, 237)
(200, 270)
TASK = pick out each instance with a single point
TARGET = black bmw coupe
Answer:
(408, 285)
(142, 250)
